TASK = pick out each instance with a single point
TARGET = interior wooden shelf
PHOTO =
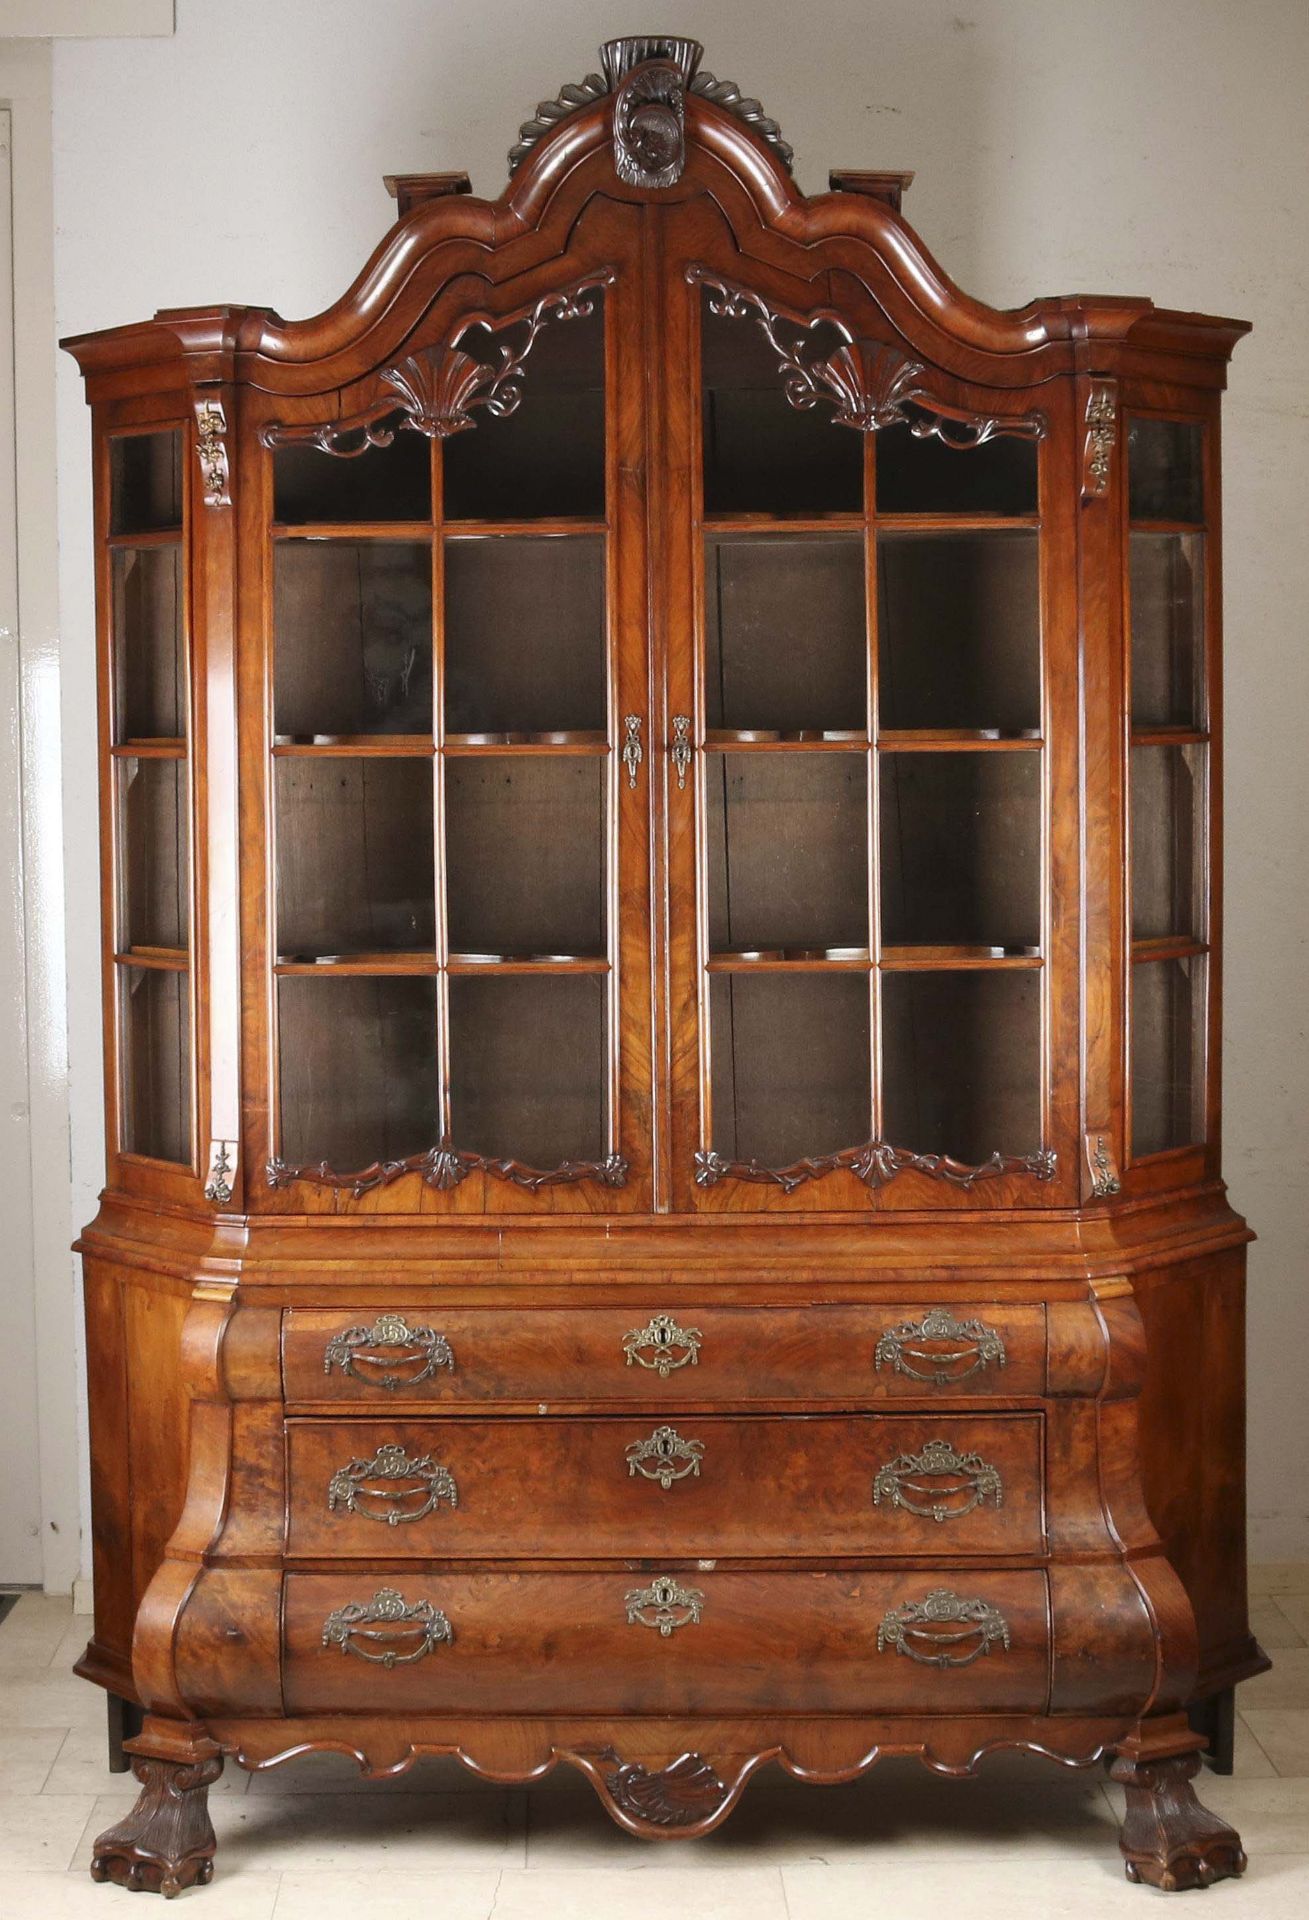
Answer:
(954, 522)
(471, 745)
(354, 746)
(356, 963)
(792, 960)
(157, 749)
(483, 963)
(352, 529)
(1174, 946)
(161, 959)
(956, 740)
(1166, 526)
(1169, 737)
(148, 537)
(959, 959)
(554, 527)
(730, 523)
(763, 740)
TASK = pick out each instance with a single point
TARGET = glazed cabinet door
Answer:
(866, 723)
(458, 761)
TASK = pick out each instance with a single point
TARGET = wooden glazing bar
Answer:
(956, 522)
(745, 740)
(1167, 526)
(1169, 737)
(538, 963)
(480, 745)
(724, 525)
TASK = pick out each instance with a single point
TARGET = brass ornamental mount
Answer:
(664, 1606)
(943, 1630)
(662, 1346)
(665, 1457)
(681, 746)
(386, 1630)
(938, 1483)
(386, 1487)
(388, 1354)
(632, 750)
(939, 1349)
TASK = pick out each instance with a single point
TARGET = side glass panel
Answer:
(150, 780)
(871, 778)
(443, 781)
(1168, 809)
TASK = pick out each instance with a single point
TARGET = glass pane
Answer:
(357, 1069)
(354, 856)
(528, 1067)
(961, 840)
(155, 1063)
(1165, 470)
(152, 851)
(1167, 812)
(761, 454)
(525, 640)
(149, 663)
(546, 456)
(926, 476)
(383, 483)
(525, 852)
(353, 647)
(1167, 597)
(145, 482)
(959, 630)
(1168, 1019)
(961, 1063)
(789, 1065)
(785, 634)
(787, 851)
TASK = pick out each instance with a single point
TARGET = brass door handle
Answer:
(373, 1354)
(681, 746)
(632, 751)
(386, 1631)
(664, 1457)
(385, 1487)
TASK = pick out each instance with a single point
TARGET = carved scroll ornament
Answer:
(874, 1164)
(445, 1167)
(438, 391)
(868, 384)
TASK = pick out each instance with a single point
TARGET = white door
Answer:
(20, 1482)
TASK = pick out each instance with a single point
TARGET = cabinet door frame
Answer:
(698, 237)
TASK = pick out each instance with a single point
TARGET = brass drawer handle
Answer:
(665, 1457)
(664, 1606)
(662, 1346)
(355, 1487)
(943, 1630)
(938, 1483)
(388, 1344)
(939, 1349)
(386, 1631)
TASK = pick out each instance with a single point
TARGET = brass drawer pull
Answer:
(355, 1487)
(664, 1606)
(386, 1631)
(658, 1457)
(371, 1354)
(938, 1483)
(943, 1630)
(662, 1346)
(940, 1349)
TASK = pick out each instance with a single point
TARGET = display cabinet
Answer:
(661, 855)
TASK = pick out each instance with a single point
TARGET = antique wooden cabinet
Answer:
(661, 964)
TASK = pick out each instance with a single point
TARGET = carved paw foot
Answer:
(1168, 1839)
(166, 1842)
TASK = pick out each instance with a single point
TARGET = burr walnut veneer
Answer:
(662, 975)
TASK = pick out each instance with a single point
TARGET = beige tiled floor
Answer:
(311, 1841)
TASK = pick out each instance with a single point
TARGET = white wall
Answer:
(1124, 146)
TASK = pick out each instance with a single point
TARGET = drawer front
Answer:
(552, 1356)
(945, 1641)
(701, 1486)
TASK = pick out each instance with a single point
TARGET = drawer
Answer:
(942, 1641)
(649, 1354)
(707, 1486)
